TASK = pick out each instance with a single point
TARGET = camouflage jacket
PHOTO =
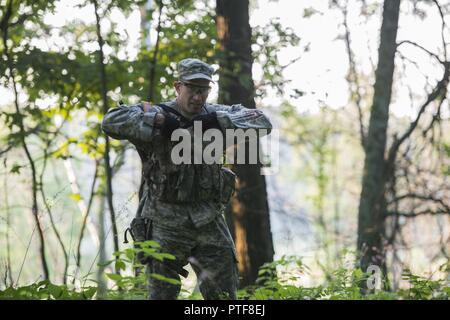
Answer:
(135, 125)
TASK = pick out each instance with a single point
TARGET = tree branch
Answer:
(416, 214)
(352, 78)
(439, 91)
(444, 46)
(420, 47)
(421, 197)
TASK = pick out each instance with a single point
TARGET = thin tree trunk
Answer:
(8, 223)
(372, 207)
(109, 191)
(155, 55)
(102, 288)
(336, 195)
(321, 184)
(52, 222)
(249, 210)
(86, 216)
(352, 76)
(34, 186)
(81, 205)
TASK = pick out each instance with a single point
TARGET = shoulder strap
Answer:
(172, 110)
(144, 170)
(209, 108)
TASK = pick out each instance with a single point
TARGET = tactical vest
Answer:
(184, 183)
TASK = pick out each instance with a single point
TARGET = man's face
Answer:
(192, 95)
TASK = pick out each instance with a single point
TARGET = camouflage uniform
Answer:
(183, 205)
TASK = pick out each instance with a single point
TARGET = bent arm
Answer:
(129, 123)
(239, 117)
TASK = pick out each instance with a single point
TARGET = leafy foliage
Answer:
(277, 280)
(44, 290)
(125, 286)
(345, 284)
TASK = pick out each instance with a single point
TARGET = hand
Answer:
(209, 121)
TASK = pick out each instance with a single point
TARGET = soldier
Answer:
(181, 205)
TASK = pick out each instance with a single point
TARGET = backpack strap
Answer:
(172, 110)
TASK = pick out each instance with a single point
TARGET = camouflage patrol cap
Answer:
(190, 68)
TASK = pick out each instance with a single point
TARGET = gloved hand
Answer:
(170, 125)
(209, 121)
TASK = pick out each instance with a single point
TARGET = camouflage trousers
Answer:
(210, 251)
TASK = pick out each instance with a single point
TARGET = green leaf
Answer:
(120, 265)
(150, 243)
(89, 293)
(162, 278)
(130, 253)
(114, 276)
(55, 291)
(358, 274)
(16, 168)
(106, 263)
(162, 256)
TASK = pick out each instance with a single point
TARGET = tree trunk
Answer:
(108, 171)
(50, 215)
(102, 284)
(8, 227)
(372, 206)
(248, 215)
(152, 73)
(85, 216)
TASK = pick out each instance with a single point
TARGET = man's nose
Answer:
(197, 97)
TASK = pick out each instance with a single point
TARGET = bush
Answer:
(277, 280)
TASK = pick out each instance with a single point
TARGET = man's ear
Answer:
(177, 86)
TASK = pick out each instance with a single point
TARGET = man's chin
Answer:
(196, 109)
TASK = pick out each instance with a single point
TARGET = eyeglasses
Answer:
(193, 89)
